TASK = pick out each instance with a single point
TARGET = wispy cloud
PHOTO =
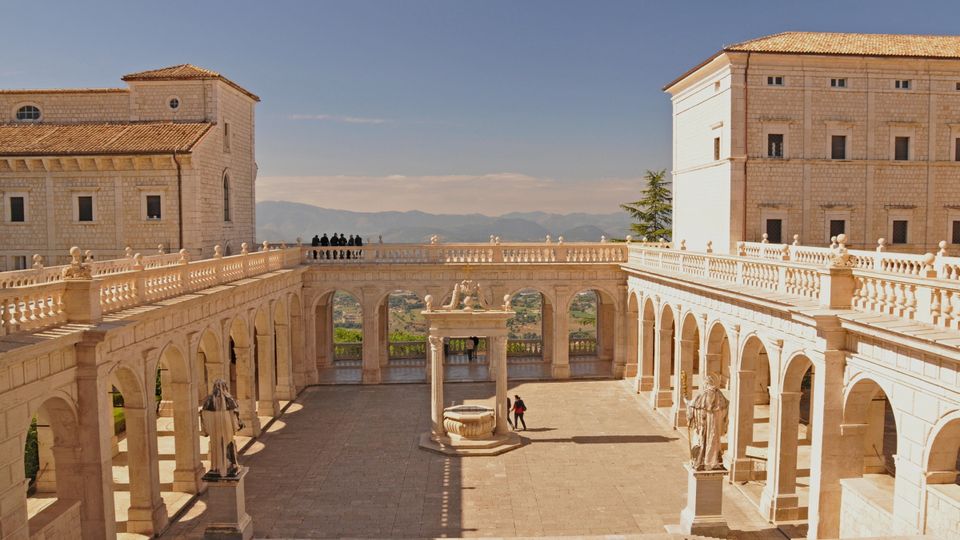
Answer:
(339, 119)
(492, 194)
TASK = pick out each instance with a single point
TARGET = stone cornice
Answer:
(13, 164)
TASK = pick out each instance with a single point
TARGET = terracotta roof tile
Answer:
(184, 72)
(99, 139)
(830, 43)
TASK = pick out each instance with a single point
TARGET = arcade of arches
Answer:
(850, 427)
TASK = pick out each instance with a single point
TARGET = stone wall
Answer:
(943, 511)
(860, 514)
(109, 105)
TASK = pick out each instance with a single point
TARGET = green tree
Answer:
(654, 212)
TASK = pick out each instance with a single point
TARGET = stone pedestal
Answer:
(704, 512)
(227, 509)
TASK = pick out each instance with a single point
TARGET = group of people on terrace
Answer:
(336, 240)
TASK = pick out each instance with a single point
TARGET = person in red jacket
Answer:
(519, 407)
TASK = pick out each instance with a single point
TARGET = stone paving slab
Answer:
(344, 462)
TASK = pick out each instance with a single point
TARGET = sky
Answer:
(443, 106)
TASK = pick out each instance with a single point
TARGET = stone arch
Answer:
(301, 371)
(179, 388)
(522, 346)
(632, 354)
(749, 409)
(265, 361)
(210, 363)
(57, 444)
(942, 455)
(604, 338)
(401, 350)
(688, 361)
(647, 338)
(240, 359)
(718, 357)
(326, 347)
(282, 353)
(664, 351)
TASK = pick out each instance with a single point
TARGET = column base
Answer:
(268, 407)
(188, 481)
(371, 376)
(783, 507)
(741, 470)
(148, 521)
(644, 383)
(226, 508)
(286, 392)
(660, 399)
(560, 371)
(620, 371)
(678, 415)
(703, 515)
(251, 425)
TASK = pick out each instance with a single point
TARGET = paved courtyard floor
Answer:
(344, 461)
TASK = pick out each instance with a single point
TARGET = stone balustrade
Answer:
(43, 297)
(513, 253)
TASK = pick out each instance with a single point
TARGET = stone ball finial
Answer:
(709, 246)
(244, 248)
(833, 242)
(160, 249)
(796, 239)
(742, 249)
(560, 239)
(138, 260)
(128, 252)
(37, 261)
(644, 239)
(881, 244)
(683, 245)
(218, 251)
(841, 240)
(428, 301)
(548, 239)
(184, 256)
(929, 258)
(88, 255)
(491, 238)
(943, 248)
(265, 246)
(299, 241)
(506, 302)
(603, 238)
(629, 239)
(765, 238)
(497, 240)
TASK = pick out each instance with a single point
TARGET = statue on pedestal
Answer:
(707, 416)
(220, 420)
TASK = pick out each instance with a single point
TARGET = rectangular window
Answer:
(716, 148)
(838, 147)
(838, 83)
(17, 210)
(153, 207)
(775, 80)
(902, 84)
(958, 86)
(837, 227)
(956, 149)
(226, 137)
(19, 262)
(85, 208)
(775, 145)
(955, 232)
(775, 231)
(901, 148)
(899, 231)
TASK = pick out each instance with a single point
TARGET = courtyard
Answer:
(343, 461)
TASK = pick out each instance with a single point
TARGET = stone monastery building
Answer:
(841, 365)
(813, 134)
(168, 160)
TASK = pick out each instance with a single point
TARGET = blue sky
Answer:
(444, 106)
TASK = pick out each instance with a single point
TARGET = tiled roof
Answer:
(830, 43)
(67, 91)
(25, 139)
(843, 44)
(184, 72)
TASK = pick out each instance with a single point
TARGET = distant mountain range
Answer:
(281, 220)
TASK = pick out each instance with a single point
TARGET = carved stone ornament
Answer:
(468, 296)
(76, 269)
(842, 258)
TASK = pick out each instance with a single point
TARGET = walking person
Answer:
(509, 421)
(471, 349)
(519, 407)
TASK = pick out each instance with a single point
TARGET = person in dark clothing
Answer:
(315, 242)
(475, 349)
(334, 242)
(324, 242)
(350, 243)
(342, 242)
(509, 421)
(359, 242)
(519, 407)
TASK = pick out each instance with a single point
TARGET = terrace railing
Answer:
(514, 253)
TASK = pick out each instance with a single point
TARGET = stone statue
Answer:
(470, 294)
(707, 416)
(220, 420)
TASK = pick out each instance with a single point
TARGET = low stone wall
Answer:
(943, 511)
(59, 521)
(865, 510)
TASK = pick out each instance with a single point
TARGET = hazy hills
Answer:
(281, 220)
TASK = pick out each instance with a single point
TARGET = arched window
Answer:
(226, 197)
(28, 112)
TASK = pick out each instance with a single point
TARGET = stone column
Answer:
(779, 498)
(498, 357)
(436, 386)
(560, 368)
(286, 389)
(661, 396)
(741, 430)
(371, 341)
(383, 317)
(148, 513)
(95, 453)
(622, 347)
(547, 341)
(267, 404)
(827, 454)
(645, 358)
(684, 368)
(246, 398)
(303, 329)
(186, 439)
(609, 322)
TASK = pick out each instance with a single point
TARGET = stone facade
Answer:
(191, 184)
(797, 103)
